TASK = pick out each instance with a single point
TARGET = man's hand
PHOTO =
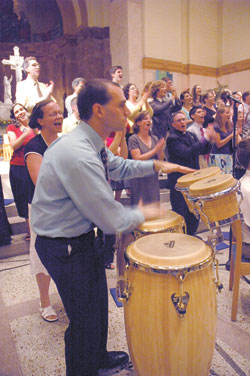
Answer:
(168, 167)
(49, 89)
(152, 211)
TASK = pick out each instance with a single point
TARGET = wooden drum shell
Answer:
(160, 342)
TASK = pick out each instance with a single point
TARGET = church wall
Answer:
(199, 44)
(98, 12)
(86, 54)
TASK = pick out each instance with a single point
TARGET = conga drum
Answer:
(185, 181)
(171, 222)
(216, 198)
(170, 305)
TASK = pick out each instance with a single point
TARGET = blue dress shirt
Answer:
(72, 193)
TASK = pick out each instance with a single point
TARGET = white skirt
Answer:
(36, 265)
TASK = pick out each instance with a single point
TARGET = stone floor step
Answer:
(17, 247)
(18, 225)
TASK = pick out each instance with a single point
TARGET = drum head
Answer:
(168, 251)
(188, 179)
(171, 219)
(211, 185)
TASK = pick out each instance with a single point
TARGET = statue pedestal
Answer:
(5, 110)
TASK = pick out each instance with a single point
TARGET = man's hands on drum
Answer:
(168, 167)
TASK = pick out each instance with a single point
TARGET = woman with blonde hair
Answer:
(221, 153)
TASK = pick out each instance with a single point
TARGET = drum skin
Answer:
(185, 181)
(171, 222)
(160, 342)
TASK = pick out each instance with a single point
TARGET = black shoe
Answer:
(114, 359)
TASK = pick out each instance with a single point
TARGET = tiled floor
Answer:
(31, 347)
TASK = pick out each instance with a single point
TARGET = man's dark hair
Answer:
(76, 81)
(193, 110)
(114, 69)
(243, 153)
(166, 79)
(94, 91)
(245, 95)
(182, 95)
(37, 113)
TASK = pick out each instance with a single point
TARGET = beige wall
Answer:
(203, 33)
(163, 29)
(235, 31)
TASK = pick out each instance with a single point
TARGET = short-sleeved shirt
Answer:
(18, 154)
(36, 146)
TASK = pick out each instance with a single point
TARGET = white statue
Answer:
(16, 63)
(7, 89)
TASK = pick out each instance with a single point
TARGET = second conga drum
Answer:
(215, 198)
(171, 222)
(185, 181)
(170, 310)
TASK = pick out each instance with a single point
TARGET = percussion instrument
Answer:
(171, 222)
(185, 181)
(170, 305)
(215, 199)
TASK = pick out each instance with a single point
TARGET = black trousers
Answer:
(179, 206)
(77, 268)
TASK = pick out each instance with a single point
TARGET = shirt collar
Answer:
(92, 135)
(31, 81)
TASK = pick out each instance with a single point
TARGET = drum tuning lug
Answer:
(218, 284)
(180, 303)
(123, 292)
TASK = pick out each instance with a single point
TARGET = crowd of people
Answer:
(67, 176)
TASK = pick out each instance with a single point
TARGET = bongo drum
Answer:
(185, 181)
(171, 222)
(215, 198)
(170, 305)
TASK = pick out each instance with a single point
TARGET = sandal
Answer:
(47, 313)
(109, 266)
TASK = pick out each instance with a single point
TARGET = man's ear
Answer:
(98, 110)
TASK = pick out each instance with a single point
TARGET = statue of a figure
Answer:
(16, 63)
(7, 89)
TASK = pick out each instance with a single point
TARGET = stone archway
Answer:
(74, 15)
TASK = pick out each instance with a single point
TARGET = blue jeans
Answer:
(77, 268)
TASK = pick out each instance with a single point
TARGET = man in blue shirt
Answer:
(72, 196)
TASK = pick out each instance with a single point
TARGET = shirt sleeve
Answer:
(93, 197)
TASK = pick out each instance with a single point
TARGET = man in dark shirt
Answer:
(184, 148)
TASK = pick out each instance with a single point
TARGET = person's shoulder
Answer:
(22, 83)
(35, 144)
(11, 128)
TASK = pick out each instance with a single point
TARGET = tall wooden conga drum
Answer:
(170, 310)
(171, 222)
